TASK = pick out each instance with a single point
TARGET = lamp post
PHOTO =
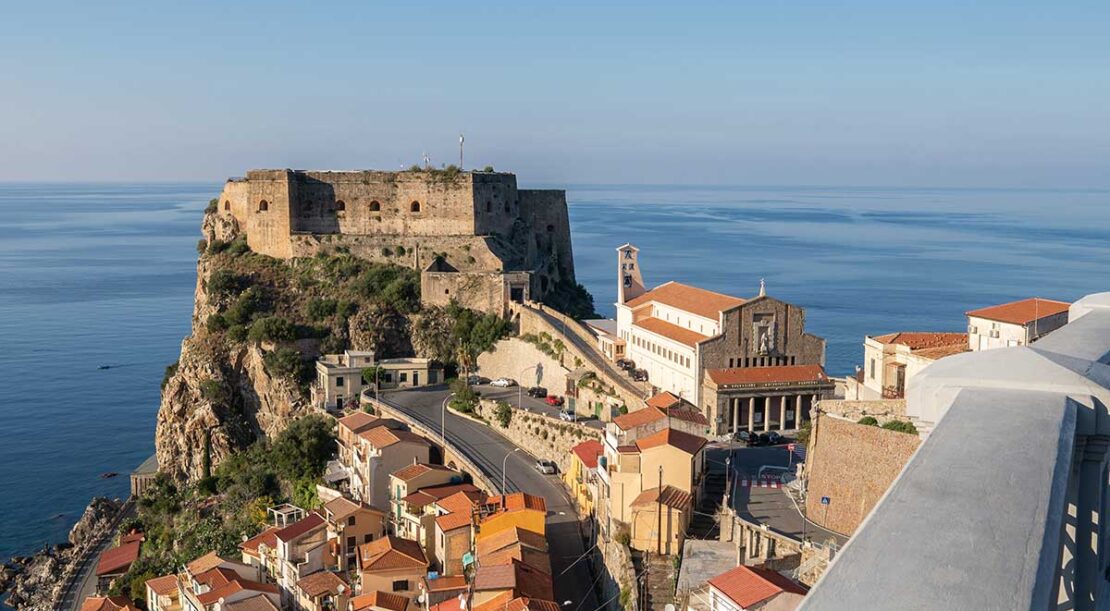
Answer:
(505, 465)
(443, 421)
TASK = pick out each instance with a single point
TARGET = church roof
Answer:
(707, 304)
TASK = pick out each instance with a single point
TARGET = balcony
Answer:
(1002, 506)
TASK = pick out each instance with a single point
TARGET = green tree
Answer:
(303, 449)
(504, 414)
(474, 334)
(372, 375)
(285, 363)
(273, 329)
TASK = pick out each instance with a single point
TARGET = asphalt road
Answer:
(770, 506)
(489, 450)
(83, 584)
(518, 398)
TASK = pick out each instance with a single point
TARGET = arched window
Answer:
(506, 206)
(340, 206)
(227, 206)
(489, 206)
(550, 229)
(263, 206)
(375, 206)
(414, 207)
(446, 291)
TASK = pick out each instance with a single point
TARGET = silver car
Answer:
(503, 382)
(545, 466)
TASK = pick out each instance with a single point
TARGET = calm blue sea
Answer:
(103, 274)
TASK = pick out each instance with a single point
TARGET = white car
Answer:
(566, 415)
(503, 382)
(545, 466)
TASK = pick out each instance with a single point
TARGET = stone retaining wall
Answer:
(511, 356)
(543, 436)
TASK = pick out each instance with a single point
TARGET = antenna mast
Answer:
(461, 140)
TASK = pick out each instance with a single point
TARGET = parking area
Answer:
(517, 397)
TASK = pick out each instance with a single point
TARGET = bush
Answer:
(213, 205)
(202, 246)
(237, 333)
(272, 329)
(400, 251)
(239, 246)
(623, 410)
(901, 427)
(319, 309)
(803, 432)
(284, 363)
(171, 371)
(216, 323)
(249, 303)
(868, 420)
(225, 282)
(488, 168)
(214, 391)
(387, 252)
(503, 414)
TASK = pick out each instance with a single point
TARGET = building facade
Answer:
(1018, 323)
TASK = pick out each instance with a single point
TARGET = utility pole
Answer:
(461, 140)
(659, 521)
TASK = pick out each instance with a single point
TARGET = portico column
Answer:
(735, 414)
(813, 403)
(751, 414)
(766, 414)
(782, 413)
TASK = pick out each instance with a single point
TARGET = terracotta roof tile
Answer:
(432, 494)
(671, 497)
(118, 559)
(321, 583)
(640, 417)
(451, 521)
(446, 583)
(506, 602)
(258, 602)
(919, 340)
(108, 603)
(519, 578)
(383, 437)
(747, 586)
(588, 451)
(268, 536)
(391, 552)
(341, 507)
(462, 501)
(166, 585)
(204, 563)
(783, 374)
(674, 332)
(379, 600)
(234, 587)
(707, 304)
(510, 536)
(664, 400)
(360, 421)
(519, 500)
(686, 442)
(519, 553)
(1022, 312)
(300, 527)
(409, 472)
(687, 415)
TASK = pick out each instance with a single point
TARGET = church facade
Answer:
(747, 363)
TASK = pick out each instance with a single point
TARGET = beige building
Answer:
(212, 583)
(454, 529)
(322, 591)
(392, 565)
(339, 378)
(302, 549)
(660, 519)
(681, 334)
(350, 524)
(609, 341)
(1017, 323)
(373, 448)
(409, 520)
(752, 587)
(891, 360)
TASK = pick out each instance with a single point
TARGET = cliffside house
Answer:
(108, 603)
(302, 549)
(890, 361)
(116, 561)
(380, 601)
(260, 552)
(350, 524)
(393, 565)
(752, 587)
(453, 536)
(692, 343)
(410, 518)
(212, 583)
(162, 594)
(322, 591)
(339, 376)
(1018, 323)
(581, 476)
(371, 449)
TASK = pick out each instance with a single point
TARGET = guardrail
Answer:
(88, 555)
(1005, 504)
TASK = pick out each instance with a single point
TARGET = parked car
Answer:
(554, 400)
(743, 436)
(476, 380)
(774, 438)
(640, 375)
(626, 364)
(545, 466)
(503, 382)
(538, 392)
(567, 415)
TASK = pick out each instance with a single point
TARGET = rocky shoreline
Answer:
(35, 582)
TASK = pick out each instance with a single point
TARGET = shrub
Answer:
(372, 375)
(900, 427)
(803, 432)
(224, 282)
(272, 329)
(216, 323)
(868, 420)
(213, 205)
(239, 246)
(202, 246)
(387, 252)
(488, 168)
(214, 391)
(400, 251)
(237, 333)
(503, 414)
(319, 309)
(171, 371)
(623, 410)
(284, 363)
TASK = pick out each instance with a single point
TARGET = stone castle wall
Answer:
(852, 464)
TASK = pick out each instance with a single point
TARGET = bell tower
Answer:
(630, 284)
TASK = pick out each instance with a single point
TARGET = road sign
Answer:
(824, 500)
(468, 559)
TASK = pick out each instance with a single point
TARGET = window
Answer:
(340, 206)
(339, 381)
(872, 369)
(403, 377)
(351, 521)
(375, 206)
(367, 538)
(227, 206)
(401, 585)
(350, 542)
(263, 206)
(506, 206)
(414, 207)
(489, 206)
(550, 229)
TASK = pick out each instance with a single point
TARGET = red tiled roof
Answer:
(688, 415)
(451, 604)
(268, 536)
(118, 559)
(671, 497)
(166, 585)
(391, 552)
(383, 437)
(258, 602)
(510, 536)
(664, 400)
(673, 437)
(359, 421)
(920, 340)
(108, 603)
(431, 494)
(300, 527)
(506, 602)
(782, 374)
(519, 553)
(942, 351)
(340, 507)
(671, 331)
(233, 587)
(204, 563)
(445, 583)
(132, 537)
(381, 600)
(640, 417)
(416, 469)
(588, 451)
(321, 583)
(747, 586)
(519, 578)
(451, 521)
(462, 501)
(707, 304)
(1022, 312)
(519, 500)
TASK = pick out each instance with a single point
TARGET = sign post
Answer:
(825, 501)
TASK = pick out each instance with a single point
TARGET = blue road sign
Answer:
(824, 500)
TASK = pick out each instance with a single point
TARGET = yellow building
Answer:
(581, 475)
(517, 510)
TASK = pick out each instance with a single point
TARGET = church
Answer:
(748, 364)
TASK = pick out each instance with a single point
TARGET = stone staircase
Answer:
(705, 523)
(658, 590)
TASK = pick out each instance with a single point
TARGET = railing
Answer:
(1005, 504)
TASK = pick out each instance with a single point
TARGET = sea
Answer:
(97, 280)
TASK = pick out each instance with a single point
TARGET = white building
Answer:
(891, 360)
(749, 587)
(339, 376)
(1017, 323)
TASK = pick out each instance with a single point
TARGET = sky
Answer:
(793, 92)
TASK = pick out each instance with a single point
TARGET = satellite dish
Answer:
(668, 607)
(462, 601)
(340, 588)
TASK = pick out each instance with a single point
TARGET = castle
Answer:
(474, 236)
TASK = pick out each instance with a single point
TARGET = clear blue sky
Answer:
(793, 92)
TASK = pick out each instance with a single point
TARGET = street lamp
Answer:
(504, 465)
(443, 421)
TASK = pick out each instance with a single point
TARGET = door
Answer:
(416, 378)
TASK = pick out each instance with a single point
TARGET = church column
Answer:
(751, 414)
(782, 413)
(735, 414)
(813, 403)
(766, 414)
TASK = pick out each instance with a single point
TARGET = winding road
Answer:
(489, 450)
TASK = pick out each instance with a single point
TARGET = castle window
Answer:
(340, 206)
(489, 206)
(227, 206)
(446, 291)
(506, 206)
(414, 207)
(550, 229)
(263, 206)
(375, 206)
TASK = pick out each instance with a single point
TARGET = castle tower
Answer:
(630, 284)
